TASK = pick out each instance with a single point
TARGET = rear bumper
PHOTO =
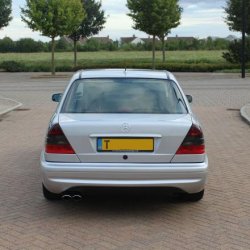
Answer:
(59, 177)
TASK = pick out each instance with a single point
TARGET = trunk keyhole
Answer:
(125, 157)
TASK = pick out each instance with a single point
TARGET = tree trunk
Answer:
(153, 50)
(163, 49)
(53, 70)
(243, 45)
(75, 53)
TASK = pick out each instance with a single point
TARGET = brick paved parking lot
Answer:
(220, 221)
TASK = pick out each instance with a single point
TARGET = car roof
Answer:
(123, 73)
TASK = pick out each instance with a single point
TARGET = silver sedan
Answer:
(123, 128)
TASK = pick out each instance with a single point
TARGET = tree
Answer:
(5, 13)
(238, 19)
(7, 45)
(91, 25)
(155, 17)
(53, 18)
(142, 13)
(28, 45)
(168, 17)
(62, 45)
(233, 55)
(234, 15)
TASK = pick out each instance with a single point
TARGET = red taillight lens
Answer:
(193, 143)
(57, 142)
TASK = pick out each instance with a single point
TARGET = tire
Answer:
(49, 195)
(195, 196)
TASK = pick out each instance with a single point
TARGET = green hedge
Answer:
(15, 66)
(12, 66)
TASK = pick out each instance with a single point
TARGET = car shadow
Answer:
(116, 203)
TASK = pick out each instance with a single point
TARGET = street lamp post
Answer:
(243, 46)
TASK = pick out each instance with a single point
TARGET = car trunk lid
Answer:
(85, 132)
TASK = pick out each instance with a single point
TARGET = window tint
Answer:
(119, 95)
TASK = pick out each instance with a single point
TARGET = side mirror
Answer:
(56, 97)
(189, 98)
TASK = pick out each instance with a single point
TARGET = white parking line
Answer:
(10, 107)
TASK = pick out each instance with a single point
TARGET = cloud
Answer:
(191, 7)
(17, 30)
(196, 17)
(115, 7)
(199, 18)
(203, 4)
(119, 25)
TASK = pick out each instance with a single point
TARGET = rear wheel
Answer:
(195, 196)
(49, 195)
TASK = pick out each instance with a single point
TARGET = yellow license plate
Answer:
(125, 144)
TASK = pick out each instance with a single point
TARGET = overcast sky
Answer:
(199, 19)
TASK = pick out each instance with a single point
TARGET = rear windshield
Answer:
(119, 95)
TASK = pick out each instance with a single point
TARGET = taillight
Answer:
(193, 142)
(57, 142)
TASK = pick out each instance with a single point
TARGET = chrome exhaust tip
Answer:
(66, 197)
(77, 197)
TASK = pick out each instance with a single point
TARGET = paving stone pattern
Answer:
(220, 221)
